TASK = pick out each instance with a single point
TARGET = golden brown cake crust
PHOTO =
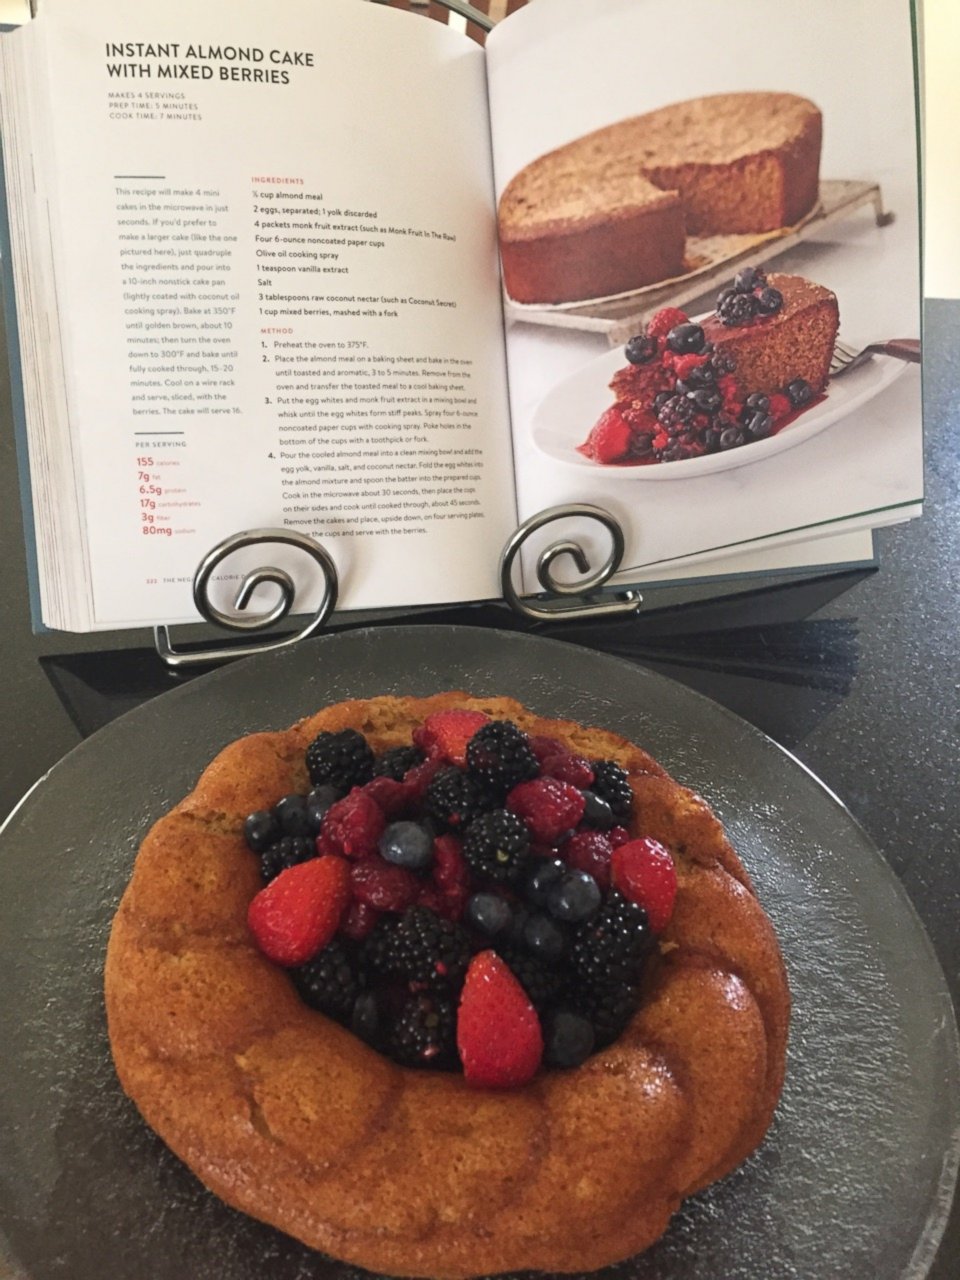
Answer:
(287, 1116)
(609, 212)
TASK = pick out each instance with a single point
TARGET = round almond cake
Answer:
(446, 989)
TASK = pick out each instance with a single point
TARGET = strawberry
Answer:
(498, 1032)
(298, 912)
(445, 734)
(610, 439)
(643, 871)
(664, 320)
(547, 806)
(354, 824)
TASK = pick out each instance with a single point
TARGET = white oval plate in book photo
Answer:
(567, 414)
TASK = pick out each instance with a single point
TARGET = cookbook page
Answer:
(277, 268)
(621, 132)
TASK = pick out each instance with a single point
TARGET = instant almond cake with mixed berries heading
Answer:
(415, 956)
(689, 390)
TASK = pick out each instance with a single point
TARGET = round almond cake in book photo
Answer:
(610, 211)
(443, 988)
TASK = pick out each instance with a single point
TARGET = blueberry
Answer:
(489, 913)
(731, 437)
(757, 401)
(407, 844)
(686, 339)
(543, 937)
(261, 830)
(640, 349)
(769, 301)
(544, 873)
(759, 426)
(707, 399)
(517, 927)
(569, 1040)
(291, 813)
(748, 279)
(575, 898)
(660, 399)
(319, 801)
(597, 812)
(799, 392)
(701, 376)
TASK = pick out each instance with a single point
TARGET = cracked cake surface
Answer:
(288, 1116)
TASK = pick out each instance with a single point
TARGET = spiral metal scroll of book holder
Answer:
(559, 600)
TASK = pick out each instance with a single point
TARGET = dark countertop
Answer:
(862, 686)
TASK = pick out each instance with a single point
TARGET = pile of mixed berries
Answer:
(471, 901)
(678, 396)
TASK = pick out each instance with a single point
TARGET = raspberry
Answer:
(419, 778)
(450, 869)
(644, 872)
(382, 885)
(780, 406)
(359, 920)
(388, 794)
(498, 1032)
(354, 824)
(543, 748)
(590, 851)
(684, 365)
(547, 806)
(609, 440)
(445, 734)
(298, 913)
(618, 836)
(343, 759)
(568, 768)
(496, 845)
(499, 756)
(664, 320)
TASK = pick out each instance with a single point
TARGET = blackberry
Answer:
(424, 1033)
(496, 845)
(612, 946)
(660, 399)
(395, 762)
(677, 411)
(722, 362)
(737, 310)
(455, 798)
(499, 755)
(343, 759)
(329, 982)
(286, 853)
(608, 1008)
(540, 981)
(420, 948)
(610, 783)
(705, 399)
(640, 349)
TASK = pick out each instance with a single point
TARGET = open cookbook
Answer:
(331, 269)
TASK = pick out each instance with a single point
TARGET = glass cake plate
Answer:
(856, 1176)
